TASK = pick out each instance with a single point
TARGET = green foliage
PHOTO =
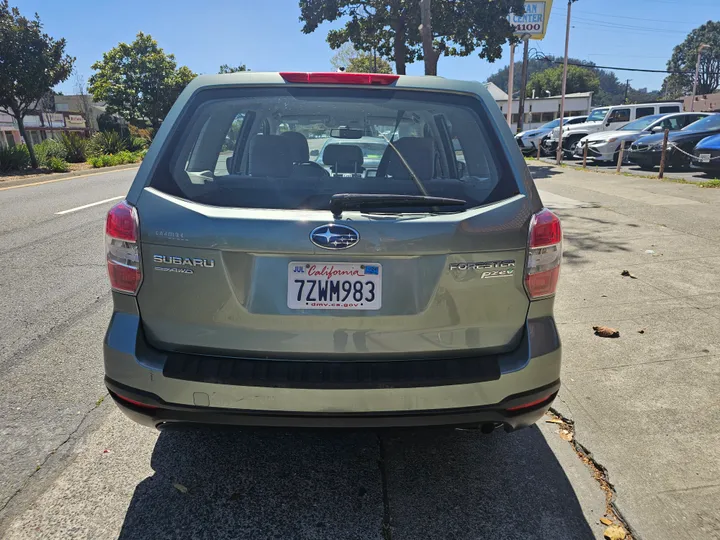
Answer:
(108, 142)
(391, 27)
(121, 158)
(685, 57)
(56, 164)
(75, 147)
(138, 81)
(137, 143)
(108, 122)
(49, 149)
(31, 63)
(225, 68)
(16, 158)
(578, 80)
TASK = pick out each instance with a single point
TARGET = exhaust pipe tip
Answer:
(488, 428)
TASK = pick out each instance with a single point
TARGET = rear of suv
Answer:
(254, 285)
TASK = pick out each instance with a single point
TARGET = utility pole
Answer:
(523, 85)
(511, 83)
(627, 88)
(559, 154)
(697, 73)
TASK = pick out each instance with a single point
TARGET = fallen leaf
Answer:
(606, 331)
(566, 435)
(554, 421)
(641, 331)
(626, 273)
(106, 451)
(615, 532)
(603, 296)
(605, 521)
(180, 488)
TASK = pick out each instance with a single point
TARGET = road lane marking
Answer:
(65, 178)
(84, 206)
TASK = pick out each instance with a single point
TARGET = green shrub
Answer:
(56, 164)
(75, 147)
(16, 158)
(49, 149)
(136, 144)
(109, 142)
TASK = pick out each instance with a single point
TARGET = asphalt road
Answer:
(645, 405)
(73, 466)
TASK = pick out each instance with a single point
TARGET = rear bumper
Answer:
(157, 388)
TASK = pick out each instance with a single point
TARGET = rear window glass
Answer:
(670, 109)
(293, 148)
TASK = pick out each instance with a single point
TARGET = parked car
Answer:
(607, 119)
(271, 291)
(605, 146)
(530, 140)
(707, 155)
(647, 151)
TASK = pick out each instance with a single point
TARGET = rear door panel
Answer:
(215, 280)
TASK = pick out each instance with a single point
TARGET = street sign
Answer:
(534, 22)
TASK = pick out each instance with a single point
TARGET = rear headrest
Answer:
(271, 155)
(300, 150)
(343, 155)
(419, 152)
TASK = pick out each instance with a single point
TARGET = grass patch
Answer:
(99, 401)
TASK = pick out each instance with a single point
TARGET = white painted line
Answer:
(84, 206)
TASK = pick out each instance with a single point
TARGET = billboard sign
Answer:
(534, 22)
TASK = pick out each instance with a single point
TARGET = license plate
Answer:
(704, 158)
(344, 286)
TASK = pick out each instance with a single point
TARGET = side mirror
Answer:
(607, 124)
(315, 153)
(656, 129)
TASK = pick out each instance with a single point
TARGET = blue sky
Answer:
(265, 34)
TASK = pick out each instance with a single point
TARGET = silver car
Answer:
(255, 286)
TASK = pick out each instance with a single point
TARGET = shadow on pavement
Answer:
(539, 172)
(439, 484)
(579, 244)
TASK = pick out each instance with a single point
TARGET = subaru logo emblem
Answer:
(333, 236)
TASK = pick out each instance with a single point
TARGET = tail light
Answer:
(544, 255)
(381, 79)
(122, 249)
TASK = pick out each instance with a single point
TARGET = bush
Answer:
(16, 158)
(75, 146)
(121, 158)
(49, 149)
(137, 143)
(109, 142)
(56, 164)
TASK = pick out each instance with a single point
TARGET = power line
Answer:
(624, 68)
(605, 15)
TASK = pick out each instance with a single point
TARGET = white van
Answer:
(607, 119)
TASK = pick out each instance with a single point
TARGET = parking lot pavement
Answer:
(690, 175)
(644, 404)
(131, 482)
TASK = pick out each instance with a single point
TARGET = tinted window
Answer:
(293, 148)
(669, 109)
(709, 123)
(619, 115)
(644, 111)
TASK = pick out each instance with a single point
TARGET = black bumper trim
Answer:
(172, 415)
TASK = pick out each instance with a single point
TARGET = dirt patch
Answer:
(38, 173)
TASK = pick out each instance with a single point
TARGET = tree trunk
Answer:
(430, 55)
(400, 45)
(28, 141)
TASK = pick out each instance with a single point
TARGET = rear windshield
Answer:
(293, 148)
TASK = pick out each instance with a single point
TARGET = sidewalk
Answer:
(646, 404)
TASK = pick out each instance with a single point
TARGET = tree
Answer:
(225, 68)
(139, 82)
(354, 61)
(392, 27)
(31, 63)
(84, 101)
(684, 61)
(579, 79)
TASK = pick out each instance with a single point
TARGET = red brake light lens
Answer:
(341, 77)
(544, 255)
(122, 250)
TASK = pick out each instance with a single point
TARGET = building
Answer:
(703, 103)
(9, 134)
(539, 111)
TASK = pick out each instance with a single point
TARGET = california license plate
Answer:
(704, 158)
(344, 286)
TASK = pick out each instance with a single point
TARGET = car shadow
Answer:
(409, 484)
(540, 172)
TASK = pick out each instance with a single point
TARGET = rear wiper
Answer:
(362, 201)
